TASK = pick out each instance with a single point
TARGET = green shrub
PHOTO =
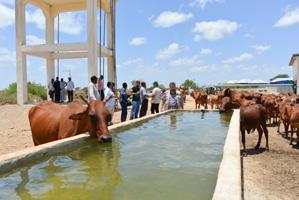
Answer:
(36, 93)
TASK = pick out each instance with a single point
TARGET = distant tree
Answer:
(191, 84)
(280, 76)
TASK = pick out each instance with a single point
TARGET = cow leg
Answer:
(286, 129)
(292, 132)
(297, 133)
(243, 142)
(260, 131)
(265, 130)
(278, 126)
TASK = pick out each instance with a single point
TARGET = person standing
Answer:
(62, 90)
(93, 93)
(172, 99)
(124, 102)
(57, 90)
(143, 99)
(135, 100)
(51, 89)
(110, 99)
(70, 90)
(156, 98)
(101, 87)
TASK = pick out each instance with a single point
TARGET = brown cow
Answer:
(294, 122)
(228, 103)
(215, 100)
(253, 117)
(50, 122)
(200, 98)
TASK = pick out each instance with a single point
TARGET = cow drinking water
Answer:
(50, 122)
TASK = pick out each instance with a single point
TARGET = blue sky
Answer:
(209, 41)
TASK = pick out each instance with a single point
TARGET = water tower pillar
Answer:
(92, 38)
(21, 63)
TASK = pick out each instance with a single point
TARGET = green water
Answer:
(172, 157)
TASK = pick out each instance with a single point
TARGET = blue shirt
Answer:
(123, 96)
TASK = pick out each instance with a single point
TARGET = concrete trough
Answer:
(228, 185)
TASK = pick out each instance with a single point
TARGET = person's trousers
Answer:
(102, 95)
(62, 95)
(57, 96)
(135, 109)
(155, 108)
(124, 112)
(143, 109)
(70, 95)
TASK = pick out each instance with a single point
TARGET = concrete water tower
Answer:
(91, 49)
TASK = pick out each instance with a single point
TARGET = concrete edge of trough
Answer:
(228, 185)
(11, 161)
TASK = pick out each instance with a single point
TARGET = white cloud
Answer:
(32, 39)
(261, 48)
(290, 18)
(7, 58)
(202, 3)
(206, 51)
(185, 62)
(197, 38)
(215, 30)
(242, 57)
(168, 52)
(200, 68)
(168, 19)
(70, 23)
(137, 41)
(248, 35)
(136, 61)
(7, 16)
(8, 2)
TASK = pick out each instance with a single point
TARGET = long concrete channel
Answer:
(228, 185)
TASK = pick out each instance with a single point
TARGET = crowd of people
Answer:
(138, 96)
(57, 89)
(160, 99)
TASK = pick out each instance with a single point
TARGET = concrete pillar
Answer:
(50, 40)
(22, 96)
(111, 64)
(92, 38)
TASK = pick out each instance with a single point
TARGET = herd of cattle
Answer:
(256, 110)
(50, 122)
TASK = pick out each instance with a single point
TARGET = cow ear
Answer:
(78, 116)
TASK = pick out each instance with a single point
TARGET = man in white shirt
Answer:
(143, 99)
(70, 90)
(110, 98)
(93, 93)
(156, 98)
(51, 89)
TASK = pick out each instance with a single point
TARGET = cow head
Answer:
(98, 116)
(228, 104)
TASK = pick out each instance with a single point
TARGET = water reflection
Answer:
(73, 176)
(173, 120)
(225, 118)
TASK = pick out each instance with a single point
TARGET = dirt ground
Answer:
(270, 174)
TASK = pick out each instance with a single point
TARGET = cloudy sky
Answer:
(209, 41)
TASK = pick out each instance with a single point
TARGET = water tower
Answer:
(51, 51)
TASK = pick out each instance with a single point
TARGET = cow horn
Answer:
(83, 99)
